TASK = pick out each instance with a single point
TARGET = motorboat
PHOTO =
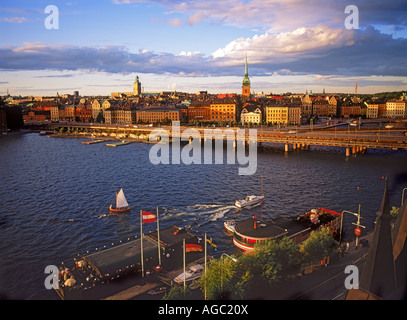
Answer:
(194, 273)
(230, 225)
(249, 201)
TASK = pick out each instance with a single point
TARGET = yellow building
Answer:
(120, 115)
(395, 109)
(223, 110)
(372, 111)
(157, 115)
(283, 114)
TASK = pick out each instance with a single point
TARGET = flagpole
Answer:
(205, 266)
(184, 265)
(141, 235)
(159, 243)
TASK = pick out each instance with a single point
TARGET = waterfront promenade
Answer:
(324, 283)
(353, 139)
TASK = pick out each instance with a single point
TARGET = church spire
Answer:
(246, 82)
(246, 73)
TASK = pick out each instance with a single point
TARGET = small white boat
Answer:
(248, 201)
(194, 272)
(230, 225)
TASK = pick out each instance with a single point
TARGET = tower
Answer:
(246, 83)
(137, 87)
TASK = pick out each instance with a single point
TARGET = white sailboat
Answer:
(121, 203)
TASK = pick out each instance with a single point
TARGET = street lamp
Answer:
(356, 224)
(221, 268)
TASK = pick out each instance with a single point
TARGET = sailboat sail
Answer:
(121, 201)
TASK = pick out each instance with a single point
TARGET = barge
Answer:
(251, 231)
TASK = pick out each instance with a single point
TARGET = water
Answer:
(55, 193)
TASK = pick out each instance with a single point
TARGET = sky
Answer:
(100, 46)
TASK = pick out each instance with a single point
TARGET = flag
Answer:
(148, 217)
(190, 247)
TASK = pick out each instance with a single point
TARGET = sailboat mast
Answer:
(116, 200)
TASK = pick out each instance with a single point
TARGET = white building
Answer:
(251, 114)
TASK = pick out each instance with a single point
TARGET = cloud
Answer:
(175, 22)
(320, 50)
(15, 20)
(280, 16)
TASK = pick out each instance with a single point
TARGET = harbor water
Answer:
(55, 195)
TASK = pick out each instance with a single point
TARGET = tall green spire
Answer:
(246, 80)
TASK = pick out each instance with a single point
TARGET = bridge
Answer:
(354, 140)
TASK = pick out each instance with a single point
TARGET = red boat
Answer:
(121, 203)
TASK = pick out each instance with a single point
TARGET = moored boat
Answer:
(121, 203)
(230, 225)
(251, 231)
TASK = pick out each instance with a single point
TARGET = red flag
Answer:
(148, 217)
(190, 247)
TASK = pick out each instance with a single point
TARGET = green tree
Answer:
(320, 244)
(275, 260)
(177, 293)
(100, 117)
(226, 279)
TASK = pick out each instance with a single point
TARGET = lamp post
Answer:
(356, 224)
(221, 268)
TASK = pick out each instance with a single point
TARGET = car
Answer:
(194, 273)
(292, 131)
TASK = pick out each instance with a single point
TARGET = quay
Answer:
(107, 272)
(353, 140)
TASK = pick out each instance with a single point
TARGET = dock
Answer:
(114, 270)
(117, 144)
(92, 141)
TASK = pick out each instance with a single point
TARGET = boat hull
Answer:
(229, 226)
(249, 203)
(119, 210)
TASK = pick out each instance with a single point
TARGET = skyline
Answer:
(188, 46)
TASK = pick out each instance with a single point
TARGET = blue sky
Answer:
(292, 45)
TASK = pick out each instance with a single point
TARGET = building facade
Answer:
(283, 115)
(251, 114)
(395, 109)
(158, 115)
(223, 110)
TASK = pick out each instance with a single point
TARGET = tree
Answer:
(177, 293)
(276, 260)
(226, 278)
(320, 244)
(100, 117)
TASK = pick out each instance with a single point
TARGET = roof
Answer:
(378, 276)
(109, 261)
(117, 259)
(263, 230)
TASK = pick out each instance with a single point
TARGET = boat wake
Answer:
(199, 214)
